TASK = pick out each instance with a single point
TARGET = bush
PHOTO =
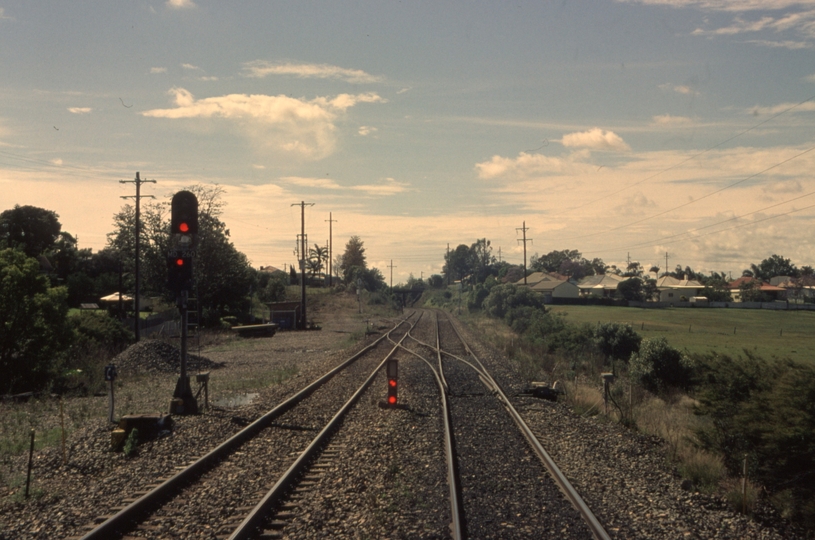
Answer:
(475, 300)
(502, 299)
(658, 366)
(763, 410)
(93, 329)
(33, 319)
(617, 341)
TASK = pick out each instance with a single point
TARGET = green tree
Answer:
(658, 366)
(772, 266)
(616, 340)
(353, 257)
(632, 289)
(223, 276)
(33, 327)
(458, 263)
(30, 228)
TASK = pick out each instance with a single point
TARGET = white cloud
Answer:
(595, 139)
(180, 4)
(155, 70)
(526, 165)
(679, 89)
(788, 44)
(670, 120)
(262, 68)
(807, 106)
(57, 161)
(389, 186)
(258, 167)
(366, 130)
(295, 126)
(190, 66)
(810, 78)
(79, 110)
(726, 5)
(208, 78)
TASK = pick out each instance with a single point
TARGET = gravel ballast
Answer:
(388, 477)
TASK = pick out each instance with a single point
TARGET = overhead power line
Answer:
(694, 201)
(690, 158)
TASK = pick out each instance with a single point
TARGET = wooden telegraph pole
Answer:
(302, 206)
(138, 181)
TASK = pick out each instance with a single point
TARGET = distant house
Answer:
(536, 277)
(560, 288)
(269, 269)
(672, 289)
(771, 292)
(797, 290)
(600, 286)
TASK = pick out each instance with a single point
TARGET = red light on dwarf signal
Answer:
(179, 262)
(392, 400)
(183, 227)
(392, 382)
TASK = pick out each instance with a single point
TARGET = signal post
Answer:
(183, 232)
(392, 373)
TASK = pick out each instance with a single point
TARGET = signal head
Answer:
(184, 213)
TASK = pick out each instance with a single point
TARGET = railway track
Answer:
(445, 464)
(503, 492)
(250, 460)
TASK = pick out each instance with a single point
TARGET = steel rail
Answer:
(563, 483)
(122, 520)
(256, 517)
(458, 523)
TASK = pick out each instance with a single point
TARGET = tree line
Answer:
(475, 263)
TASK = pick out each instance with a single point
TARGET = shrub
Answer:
(763, 410)
(658, 366)
(475, 300)
(617, 341)
(502, 299)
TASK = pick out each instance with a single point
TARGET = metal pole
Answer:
(184, 319)
(110, 415)
(303, 264)
(138, 235)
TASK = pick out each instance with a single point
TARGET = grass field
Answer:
(780, 334)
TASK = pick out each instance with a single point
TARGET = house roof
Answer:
(744, 280)
(537, 277)
(548, 284)
(670, 282)
(600, 281)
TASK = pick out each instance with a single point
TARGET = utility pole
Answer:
(666, 262)
(392, 267)
(302, 206)
(525, 240)
(448, 263)
(499, 254)
(331, 221)
(138, 181)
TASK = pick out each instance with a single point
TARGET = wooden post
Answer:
(744, 487)
(62, 426)
(30, 459)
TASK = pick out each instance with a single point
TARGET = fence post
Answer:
(30, 458)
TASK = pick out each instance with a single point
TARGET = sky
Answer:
(626, 130)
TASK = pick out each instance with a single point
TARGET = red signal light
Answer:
(392, 382)
(183, 227)
(179, 262)
(392, 400)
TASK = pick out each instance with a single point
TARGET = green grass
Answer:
(780, 334)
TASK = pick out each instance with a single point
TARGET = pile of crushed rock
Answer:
(154, 356)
